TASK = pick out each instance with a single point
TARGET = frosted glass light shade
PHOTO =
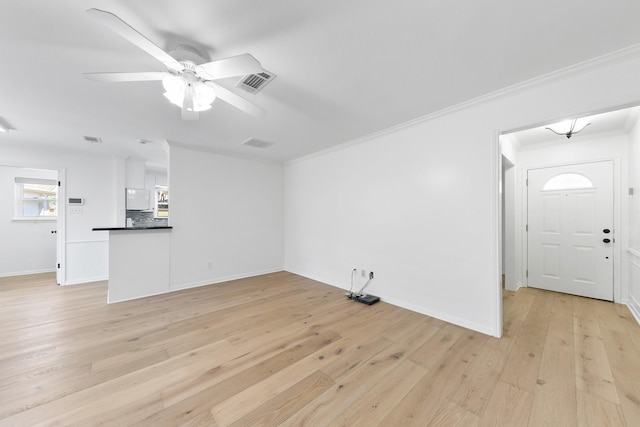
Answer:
(175, 87)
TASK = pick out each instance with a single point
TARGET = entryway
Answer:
(570, 229)
(579, 253)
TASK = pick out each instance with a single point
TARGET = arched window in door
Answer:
(567, 181)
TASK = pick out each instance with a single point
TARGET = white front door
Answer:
(570, 223)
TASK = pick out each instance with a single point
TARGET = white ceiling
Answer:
(346, 68)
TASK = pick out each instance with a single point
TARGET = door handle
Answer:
(606, 240)
(606, 231)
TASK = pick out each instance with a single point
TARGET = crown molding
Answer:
(218, 152)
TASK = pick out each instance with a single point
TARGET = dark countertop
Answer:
(160, 227)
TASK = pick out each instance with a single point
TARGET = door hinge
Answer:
(526, 273)
(526, 227)
(526, 182)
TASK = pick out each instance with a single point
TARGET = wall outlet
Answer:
(364, 273)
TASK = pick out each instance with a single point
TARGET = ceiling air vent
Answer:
(92, 139)
(252, 142)
(253, 83)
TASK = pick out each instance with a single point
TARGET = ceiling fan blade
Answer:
(126, 77)
(125, 30)
(237, 101)
(232, 66)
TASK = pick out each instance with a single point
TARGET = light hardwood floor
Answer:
(283, 350)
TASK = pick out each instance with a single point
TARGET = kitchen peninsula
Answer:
(139, 261)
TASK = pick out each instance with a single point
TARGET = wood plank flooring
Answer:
(283, 350)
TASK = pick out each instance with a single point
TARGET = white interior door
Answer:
(570, 229)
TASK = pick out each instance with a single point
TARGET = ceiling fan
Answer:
(188, 83)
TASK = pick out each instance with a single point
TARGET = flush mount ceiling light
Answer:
(569, 127)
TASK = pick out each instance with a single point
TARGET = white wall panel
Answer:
(227, 215)
(90, 261)
(634, 278)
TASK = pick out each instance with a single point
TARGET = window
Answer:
(36, 198)
(567, 181)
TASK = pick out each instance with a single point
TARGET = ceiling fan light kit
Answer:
(195, 96)
(187, 85)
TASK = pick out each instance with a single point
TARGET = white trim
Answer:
(561, 73)
(634, 253)
(87, 280)
(632, 302)
(200, 284)
(498, 238)
(25, 273)
(632, 119)
(36, 219)
(634, 308)
(484, 329)
(61, 226)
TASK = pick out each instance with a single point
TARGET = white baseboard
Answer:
(484, 329)
(513, 288)
(25, 273)
(184, 286)
(634, 307)
(213, 281)
(86, 280)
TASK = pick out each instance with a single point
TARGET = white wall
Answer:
(633, 253)
(27, 246)
(227, 215)
(95, 178)
(419, 204)
(561, 151)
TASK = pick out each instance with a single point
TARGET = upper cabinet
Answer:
(135, 173)
(155, 178)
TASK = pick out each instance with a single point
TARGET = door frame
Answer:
(61, 228)
(620, 226)
(60, 223)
